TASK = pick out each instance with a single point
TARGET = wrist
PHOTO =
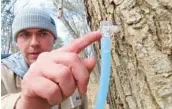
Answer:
(31, 103)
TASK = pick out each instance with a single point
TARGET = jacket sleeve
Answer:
(9, 92)
(8, 101)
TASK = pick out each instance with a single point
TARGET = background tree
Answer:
(141, 53)
(73, 16)
(7, 16)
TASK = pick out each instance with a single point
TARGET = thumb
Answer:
(89, 63)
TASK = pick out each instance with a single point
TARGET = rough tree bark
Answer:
(141, 53)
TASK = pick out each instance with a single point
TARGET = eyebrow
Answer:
(22, 31)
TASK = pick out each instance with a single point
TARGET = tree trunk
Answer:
(141, 76)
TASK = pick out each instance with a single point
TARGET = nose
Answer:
(34, 41)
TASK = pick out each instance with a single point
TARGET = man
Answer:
(41, 78)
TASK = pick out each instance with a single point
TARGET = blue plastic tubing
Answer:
(105, 72)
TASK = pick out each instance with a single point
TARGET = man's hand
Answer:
(56, 74)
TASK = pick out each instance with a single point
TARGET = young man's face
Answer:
(34, 41)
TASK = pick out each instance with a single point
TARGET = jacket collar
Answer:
(16, 63)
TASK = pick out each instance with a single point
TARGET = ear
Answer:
(16, 44)
(54, 41)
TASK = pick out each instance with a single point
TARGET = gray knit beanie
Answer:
(33, 18)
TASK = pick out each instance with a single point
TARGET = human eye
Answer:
(44, 33)
(23, 35)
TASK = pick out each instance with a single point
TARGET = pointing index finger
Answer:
(79, 44)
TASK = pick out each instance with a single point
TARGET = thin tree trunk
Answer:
(141, 76)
